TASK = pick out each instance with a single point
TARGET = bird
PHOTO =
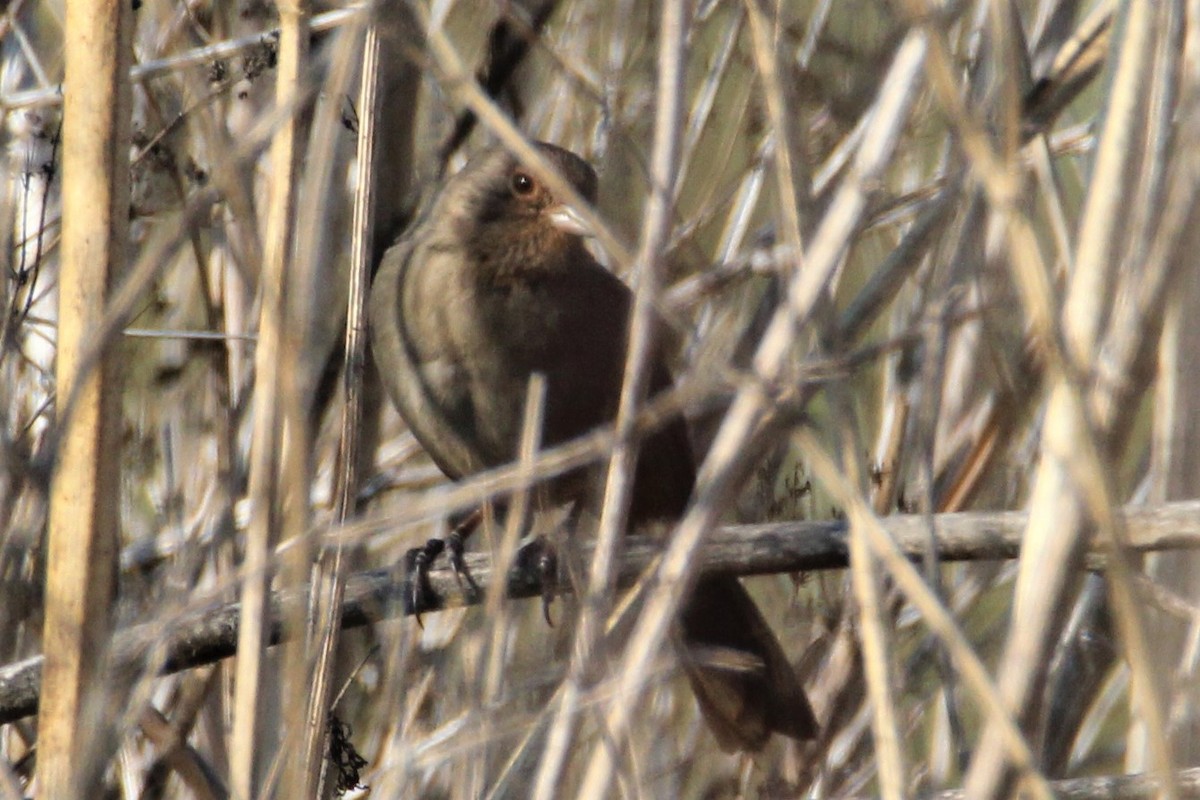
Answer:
(495, 283)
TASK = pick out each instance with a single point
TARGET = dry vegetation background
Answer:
(921, 257)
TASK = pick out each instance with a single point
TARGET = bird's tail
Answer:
(745, 685)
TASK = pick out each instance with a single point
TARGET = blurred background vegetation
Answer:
(968, 242)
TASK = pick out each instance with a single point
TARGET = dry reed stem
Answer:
(278, 486)
(84, 514)
(932, 334)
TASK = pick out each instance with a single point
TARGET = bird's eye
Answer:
(522, 184)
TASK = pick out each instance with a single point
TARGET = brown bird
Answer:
(494, 284)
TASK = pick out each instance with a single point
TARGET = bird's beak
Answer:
(567, 220)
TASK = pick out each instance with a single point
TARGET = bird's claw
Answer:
(455, 546)
(548, 571)
(417, 562)
(540, 557)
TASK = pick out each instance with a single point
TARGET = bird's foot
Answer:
(455, 546)
(419, 596)
(418, 561)
(540, 557)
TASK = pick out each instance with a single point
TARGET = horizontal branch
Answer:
(204, 635)
(1112, 787)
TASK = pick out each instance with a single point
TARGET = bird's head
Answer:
(508, 220)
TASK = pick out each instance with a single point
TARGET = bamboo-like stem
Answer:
(84, 523)
(328, 575)
(1072, 491)
(278, 435)
(873, 627)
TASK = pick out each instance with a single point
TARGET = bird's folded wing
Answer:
(403, 377)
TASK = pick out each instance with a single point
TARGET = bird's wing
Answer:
(402, 376)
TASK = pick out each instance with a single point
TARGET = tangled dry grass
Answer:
(925, 261)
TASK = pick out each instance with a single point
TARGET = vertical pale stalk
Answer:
(766, 60)
(865, 580)
(278, 439)
(1069, 497)
(1090, 290)
(328, 577)
(868, 530)
(718, 477)
(495, 651)
(668, 128)
(1176, 456)
(85, 491)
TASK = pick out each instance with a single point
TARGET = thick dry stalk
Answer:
(84, 524)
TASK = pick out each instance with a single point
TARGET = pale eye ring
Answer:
(522, 184)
